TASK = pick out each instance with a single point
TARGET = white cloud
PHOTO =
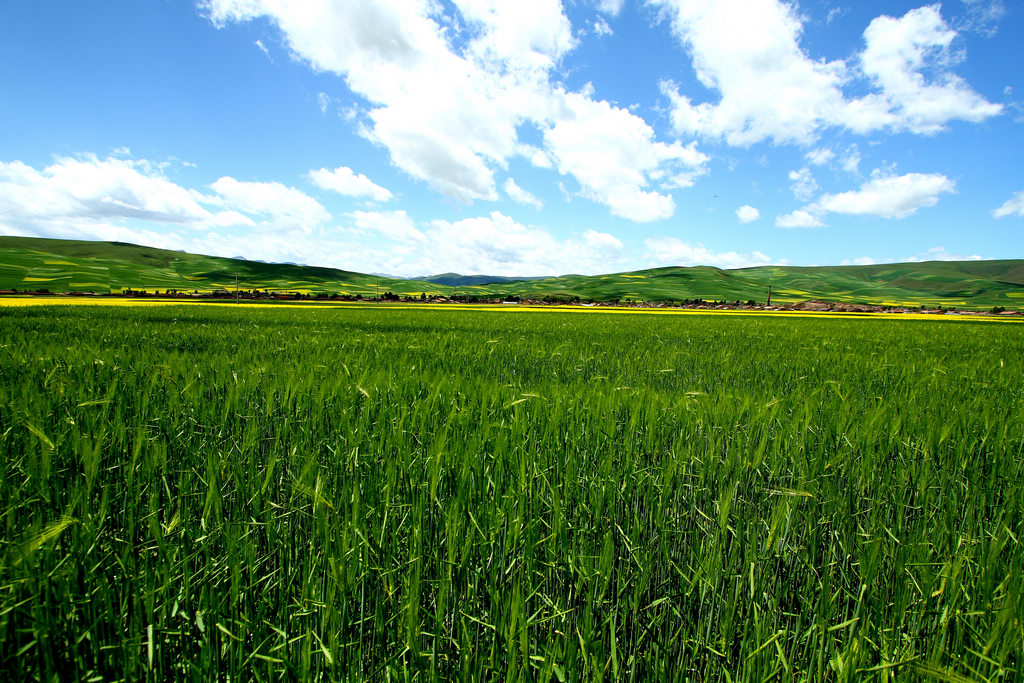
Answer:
(498, 245)
(601, 27)
(613, 155)
(820, 156)
(535, 155)
(770, 89)
(323, 100)
(884, 196)
(798, 219)
(888, 196)
(315, 249)
(131, 200)
(332, 249)
(396, 56)
(519, 195)
(344, 180)
(494, 244)
(611, 7)
(394, 225)
(108, 232)
(86, 196)
(749, 52)
(747, 214)
(940, 254)
(602, 242)
(281, 207)
(670, 250)
(983, 16)
(1014, 206)
(850, 161)
(527, 33)
(804, 185)
(391, 242)
(451, 116)
(859, 261)
(896, 54)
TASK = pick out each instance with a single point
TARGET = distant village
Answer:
(813, 305)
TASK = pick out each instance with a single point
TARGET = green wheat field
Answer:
(210, 492)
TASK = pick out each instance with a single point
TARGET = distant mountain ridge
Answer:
(29, 263)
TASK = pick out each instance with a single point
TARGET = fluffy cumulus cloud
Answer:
(317, 249)
(530, 33)
(896, 55)
(392, 242)
(126, 199)
(672, 250)
(1014, 206)
(602, 243)
(612, 153)
(397, 56)
(393, 225)
(92, 189)
(493, 61)
(749, 52)
(278, 206)
(85, 196)
(498, 65)
(888, 196)
(132, 200)
(498, 245)
(344, 180)
(799, 219)
(747, 214)
(885, 195)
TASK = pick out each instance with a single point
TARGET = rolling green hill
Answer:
(102, 267)
(971, 284)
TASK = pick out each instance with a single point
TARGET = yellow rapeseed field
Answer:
(10, 301)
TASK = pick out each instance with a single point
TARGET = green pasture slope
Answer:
(63, 265)
(102, 267)
(967, 284)
(368, 493)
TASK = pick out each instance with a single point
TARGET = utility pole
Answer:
(378, 292)
(236, 285)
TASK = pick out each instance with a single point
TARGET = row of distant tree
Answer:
(422, 297)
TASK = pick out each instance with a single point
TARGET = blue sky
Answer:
(414, 137)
